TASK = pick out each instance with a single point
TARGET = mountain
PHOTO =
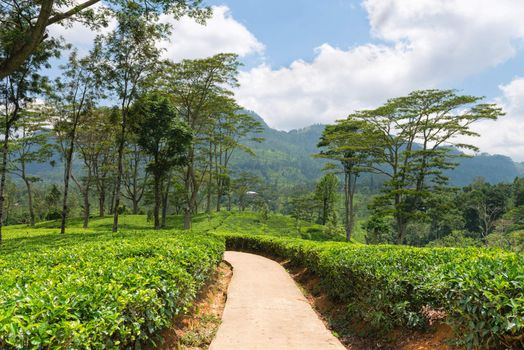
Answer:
(285, 157)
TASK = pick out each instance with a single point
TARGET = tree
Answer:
(419, 136)
(134, 177)
(231, 128)
(163, 136)
(482, 205)
(131, 55)
(102, 126)
(195, 86)
(94, 144)
(25, 23)
(242, 184)
(31, 145)
(16, 91)
(326, 194)
(352, 142)
(74, 99)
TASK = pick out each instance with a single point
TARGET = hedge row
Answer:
(393, 286)
(101, 293)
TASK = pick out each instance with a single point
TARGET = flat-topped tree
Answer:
(351, 143)
(419, 135)
(25, 24)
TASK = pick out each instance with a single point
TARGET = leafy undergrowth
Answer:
(385, 287)
(196, 330)
(274, 225)
(99, 290)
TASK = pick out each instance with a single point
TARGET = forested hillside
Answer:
(285, 158)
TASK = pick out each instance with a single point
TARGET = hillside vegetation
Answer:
(96, 289)
(385, 287)
(285, 158)
(63, 289)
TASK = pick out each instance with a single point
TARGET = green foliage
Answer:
(455, 239)
(386, 286)
(99, 290)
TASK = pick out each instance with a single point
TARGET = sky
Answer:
(310, 61)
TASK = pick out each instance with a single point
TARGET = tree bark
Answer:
(30, 202)
(165, 202)
(102, 204)
(87, 207)
(156, 208)
(135, 206)
(5, 151)
(118, 181)
(35, 34)
(187, 218)
(67, 176)
(347, 206)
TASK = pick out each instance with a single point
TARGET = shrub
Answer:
(100, 291)
(387, 286)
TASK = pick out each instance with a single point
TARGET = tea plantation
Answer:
(384, 287)
(98, 290)
(94, 289)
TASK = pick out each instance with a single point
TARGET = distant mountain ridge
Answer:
(286, 157)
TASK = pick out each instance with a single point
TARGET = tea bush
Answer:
(482, 291)
(99, 291)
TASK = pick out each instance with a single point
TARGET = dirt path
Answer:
(266, 310)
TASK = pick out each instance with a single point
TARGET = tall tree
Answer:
(132, 55)
(16, 91)
(25, 23)
(135, 177)
(420, 134)
(74, 98)
(352, 143)
(195, 86)
(326, 194)
(162, 135)
(232, 129)
(94, 144)
(30, 145)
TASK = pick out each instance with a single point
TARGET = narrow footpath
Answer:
(265, 310)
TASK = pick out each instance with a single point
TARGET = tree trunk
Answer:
(67, 176)
(102, 203)
(347, 206)
(187, 218)
(30, 202)
(401, 224)
(324, 210)
(229, 201)
(5, 150)
(156, 208)
(117, 184)
(165, 202)
(87, 206)
(135, 206)
(219, 199)
(210, 179)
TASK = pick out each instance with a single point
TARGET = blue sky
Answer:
(293, 29)
(310, 61)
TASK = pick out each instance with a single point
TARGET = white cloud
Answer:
(78, 34)
(504, 136)
(426, 43)
(222, 33)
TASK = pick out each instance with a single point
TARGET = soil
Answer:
(196, 330)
